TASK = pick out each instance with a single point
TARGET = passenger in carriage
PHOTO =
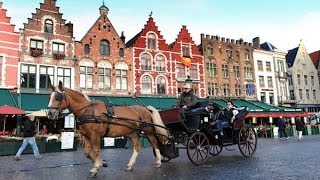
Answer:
(229, 116)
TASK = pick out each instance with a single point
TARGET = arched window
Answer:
(161, 85)
(160, 63)
(86, 49)
(145, 61)
(151, 41)
(48, 26)
(146, 85)
(104, 48)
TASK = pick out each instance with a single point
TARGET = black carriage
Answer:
(196, 131)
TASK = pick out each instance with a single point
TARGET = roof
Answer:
(268, 46)
(5, 109)
(291, 56)
(315, 57)
(133, 40)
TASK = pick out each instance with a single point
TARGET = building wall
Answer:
(103, 29)
(265, 92)
(219, 56)
(61, 62)
(9, 51)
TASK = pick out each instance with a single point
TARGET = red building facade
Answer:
(104, 64)
(46, 50)
(9, 51)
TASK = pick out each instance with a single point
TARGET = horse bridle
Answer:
(59, 96)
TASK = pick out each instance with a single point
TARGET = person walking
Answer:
(28, 134)
(282, 127)
(299, 127)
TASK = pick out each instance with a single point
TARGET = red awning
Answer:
(5, 109)
(278, 114)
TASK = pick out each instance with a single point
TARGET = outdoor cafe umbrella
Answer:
(9, 110)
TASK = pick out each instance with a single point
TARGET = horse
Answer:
(95, 122)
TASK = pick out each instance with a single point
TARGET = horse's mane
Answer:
(79, 93)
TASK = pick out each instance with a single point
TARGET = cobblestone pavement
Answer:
(274, 159)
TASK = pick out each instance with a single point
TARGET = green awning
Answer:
(265, 106)
(220, 102)
(123, 101)
(34, 102)
(159, 103)
(251, 106)
(6, 98)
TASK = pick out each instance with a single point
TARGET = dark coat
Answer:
(29, 128)
(299, 125)
(188, 99)
(281, 124)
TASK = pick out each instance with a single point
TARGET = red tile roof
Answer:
(315, 57)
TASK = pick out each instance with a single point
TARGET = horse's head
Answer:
(57, 102)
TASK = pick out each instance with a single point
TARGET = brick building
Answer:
(103, 63)
(229, 67)
(9, 51)
(46, 50)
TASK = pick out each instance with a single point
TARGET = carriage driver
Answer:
(187, 99)
(229, 116)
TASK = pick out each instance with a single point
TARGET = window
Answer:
(291, 92)
(145, 61)
(180, 69)
(104, 48)
(269, 79)
(314, 95)
(248, 72)
(281, 65)
(121, 52)
(312, 80)
(260, 66)
(36, 44)
(210, 51)
(268, 66)
(300, 93)
(246, 55)
(104, 78)
(185, 50)
(151, 41)
(305, 80)
(57, 48)
(213, 89)
(1, 64)
(86, 77)
(28, 76)
(261, 81)
(229, 52)
(194, 72)
(225, 70)
(146, 85)
(307, 94)
(86, 49)
(263, 96)
(298, 78)
(48, 26)
(161, 85)
(64, 75)
(237, 90)
(211, 69)
(160, 63)
(46, 76)
(226, 90)
(121, 78)
(290, 81)
(236, 72)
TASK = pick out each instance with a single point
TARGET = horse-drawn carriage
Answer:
(196, 131)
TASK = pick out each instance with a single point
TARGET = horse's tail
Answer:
(156, 119)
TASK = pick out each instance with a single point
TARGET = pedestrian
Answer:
(28, 134)
(282, 127)
(299, 127)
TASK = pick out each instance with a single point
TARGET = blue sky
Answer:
(281, 22)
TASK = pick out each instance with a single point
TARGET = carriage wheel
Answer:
(163, 159)
(216, 146)
(198, 148)
(247, 140)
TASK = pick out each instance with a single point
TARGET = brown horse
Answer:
(94, 124)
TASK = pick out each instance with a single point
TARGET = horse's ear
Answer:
(51, 86)
(60, 86)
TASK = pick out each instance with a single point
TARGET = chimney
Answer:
(70, 28)
(256, 42)
(123, 38)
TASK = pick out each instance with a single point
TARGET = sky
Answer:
(283, 23)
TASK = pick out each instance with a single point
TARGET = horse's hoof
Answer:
(157, 166)
(92, 175)
(129, 168)
(104, 163)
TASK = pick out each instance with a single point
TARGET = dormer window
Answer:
(185, 50)
(152, 41)
(48, 26)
